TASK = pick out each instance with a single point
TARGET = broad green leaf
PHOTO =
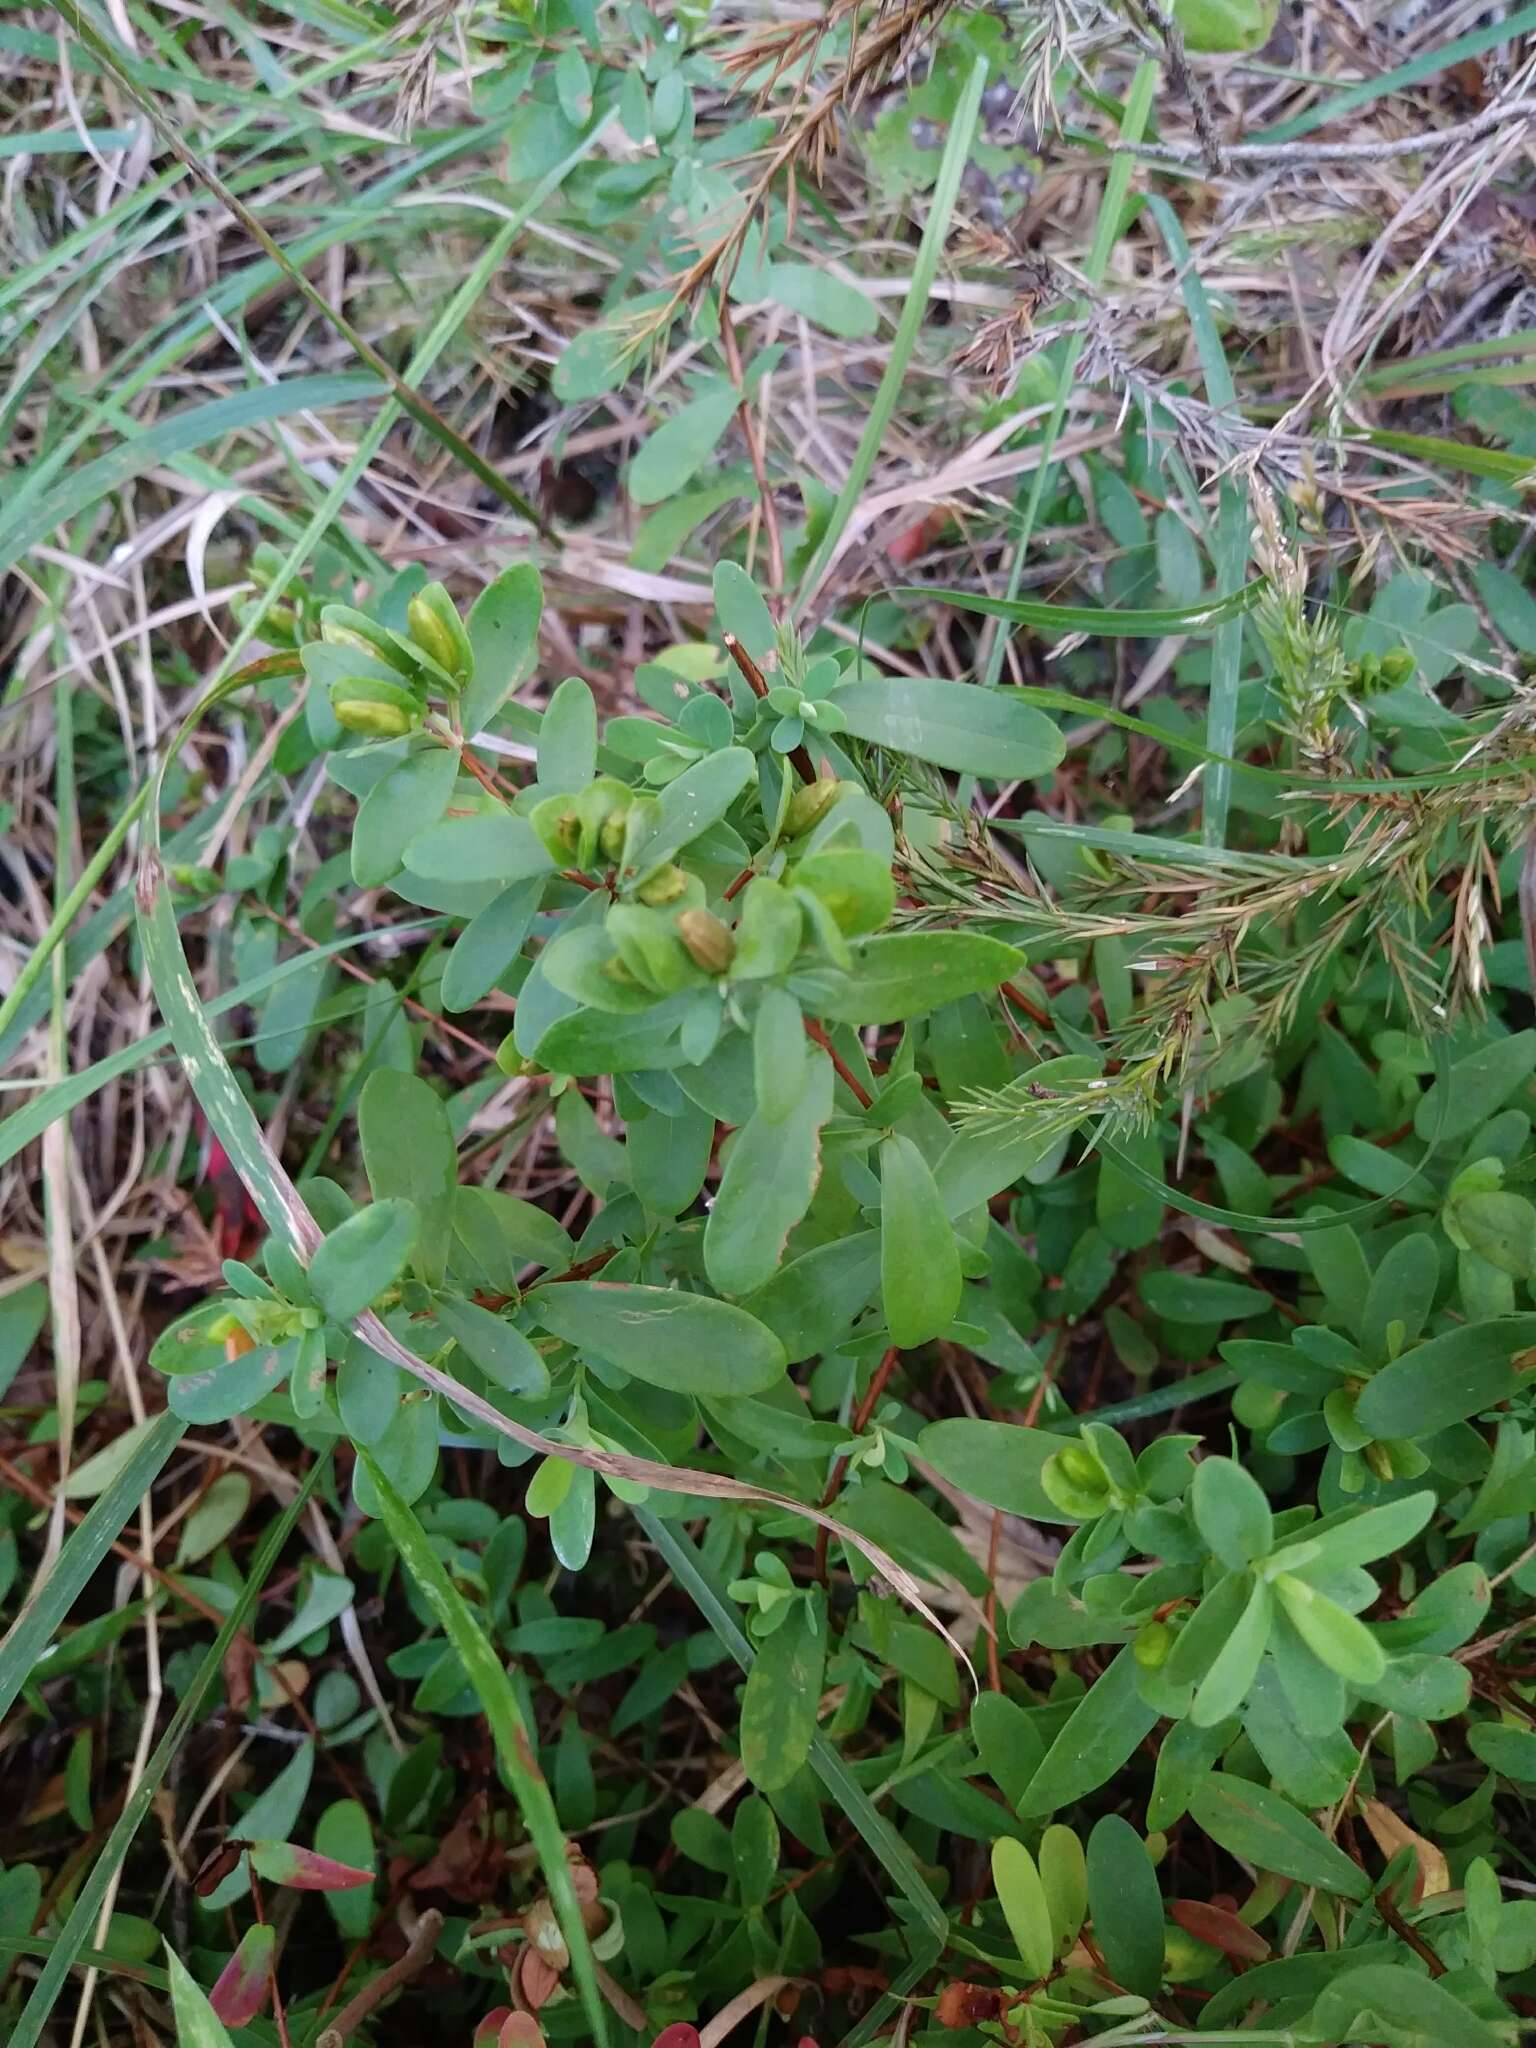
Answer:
(230, 1389)
(740, 608)
(396, 809)
(1064, 1873)
(686, 1342)
(678, 449)
(919, 1259)
(1265, 1830)
(364, 1255)
(502, 1353)
(503, 629)
(915, 1536)
(1476, 1086)
(697, 799)
(1225, 1686)
(503, 1235)
(1102, 1732)
(812, 1301)
(1126, 1906)
(409, 1152)
(1443, 1381)
(829, 302)
(1361, 1537)
(1006, 1742)
(1231, 1511)
(896, 975)
(782, 1698)
(977, 1164)
(995, 1462)
(1224, 26)
(568, 739)
(489, 943)
(668, 1157)
(954, 725)
(1199, 1298)
(487, 846)
(1389, 2002)
(769, 1179)
(343, 1831)
(1505, 1749)
(1021, 1895)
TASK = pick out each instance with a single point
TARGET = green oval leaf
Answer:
(686, 1342)
(954, 725)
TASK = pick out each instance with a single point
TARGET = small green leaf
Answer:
(829, 302)
(769, 1179)
(1265, 1830)
(995, 1462)
(896, 975)
(1021, 1895)
(1126, 1906)
(782, 1699)
(1457, 1374)
(568, 739)
(955, 725)
(409, 1151)
(502, 1353)
(1231, 1511)
(1064, 1873)
(1509, 1751)
(679, 448)
(919, 1260)
(1225, 1686)
(687, 1342)
(1101, 1733)
(363, 1256)
(503, 629)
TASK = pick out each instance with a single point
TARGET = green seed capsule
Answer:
(808, 806)
(665, 886)
(709, 942)
(1152, 1644)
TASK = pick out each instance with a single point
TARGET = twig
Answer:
(844, 1072)
(859, 1423)
(757, 682)
(755, 453)
(417, 1955)
(1305, 154)
(1172, 37)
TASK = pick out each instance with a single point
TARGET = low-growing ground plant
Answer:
(753, 1286)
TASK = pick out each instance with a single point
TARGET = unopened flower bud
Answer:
(431, 633)
(374, 720)
(709, 942)
(665, 886)
(808, 806)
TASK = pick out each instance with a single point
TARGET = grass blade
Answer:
(883, 1842)
(23, 1125)
(1138, 107)
(493, 1688)
(33, 514)
(34, 1628)
(1097, 619)
(1232, 535)
(946, 186)
(77, 1930)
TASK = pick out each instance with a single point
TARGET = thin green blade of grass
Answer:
(54, 1595)
(1233, 534)
(946, 189)
(493, 1689)
(1117, 185)
(1518, 471)
(29, 1122)
(33, 514)
(1155, 624)
(881, 1838)
(86, 1911)
(1429, 64)
(406, 395)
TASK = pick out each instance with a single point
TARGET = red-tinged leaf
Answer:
(304, 1870)
(520, 2030)
(489, 2029)
(1220, 1929)
(245, 1979)
(679, 2035)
